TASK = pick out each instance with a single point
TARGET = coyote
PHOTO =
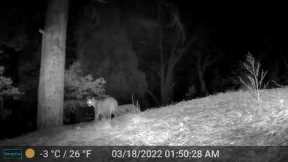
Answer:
(104, 107)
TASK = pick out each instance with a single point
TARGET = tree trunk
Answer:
(51, 81)
(167, 81)
(202, 82)
(203, 88)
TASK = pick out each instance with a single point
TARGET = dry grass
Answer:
(253, 77)
(226, 119)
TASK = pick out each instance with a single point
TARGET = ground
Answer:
(225, 119)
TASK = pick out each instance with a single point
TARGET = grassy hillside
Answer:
(231, 118)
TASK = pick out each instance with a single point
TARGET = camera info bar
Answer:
(143, 153)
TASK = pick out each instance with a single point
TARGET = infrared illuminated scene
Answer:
(191, 80)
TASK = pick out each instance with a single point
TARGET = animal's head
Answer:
(91, 102)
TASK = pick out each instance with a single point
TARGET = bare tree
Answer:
(204, 55)
(172, 46)
(51, 81)
(202, 62)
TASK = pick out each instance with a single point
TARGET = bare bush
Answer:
(136, 105)
(253, 76)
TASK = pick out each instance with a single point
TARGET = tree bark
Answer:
(203, 88)
(201, 69)
(51, 81)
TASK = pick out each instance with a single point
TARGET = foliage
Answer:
(6, 85)
(104, 49)
(78, 86)
(6, 89)
(253, 76)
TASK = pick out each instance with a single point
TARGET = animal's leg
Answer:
(110, 114)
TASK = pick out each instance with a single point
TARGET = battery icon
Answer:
(12, 154)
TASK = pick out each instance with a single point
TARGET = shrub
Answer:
(6, 85)
(253, 76)
(78, 86)
(6, 90)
